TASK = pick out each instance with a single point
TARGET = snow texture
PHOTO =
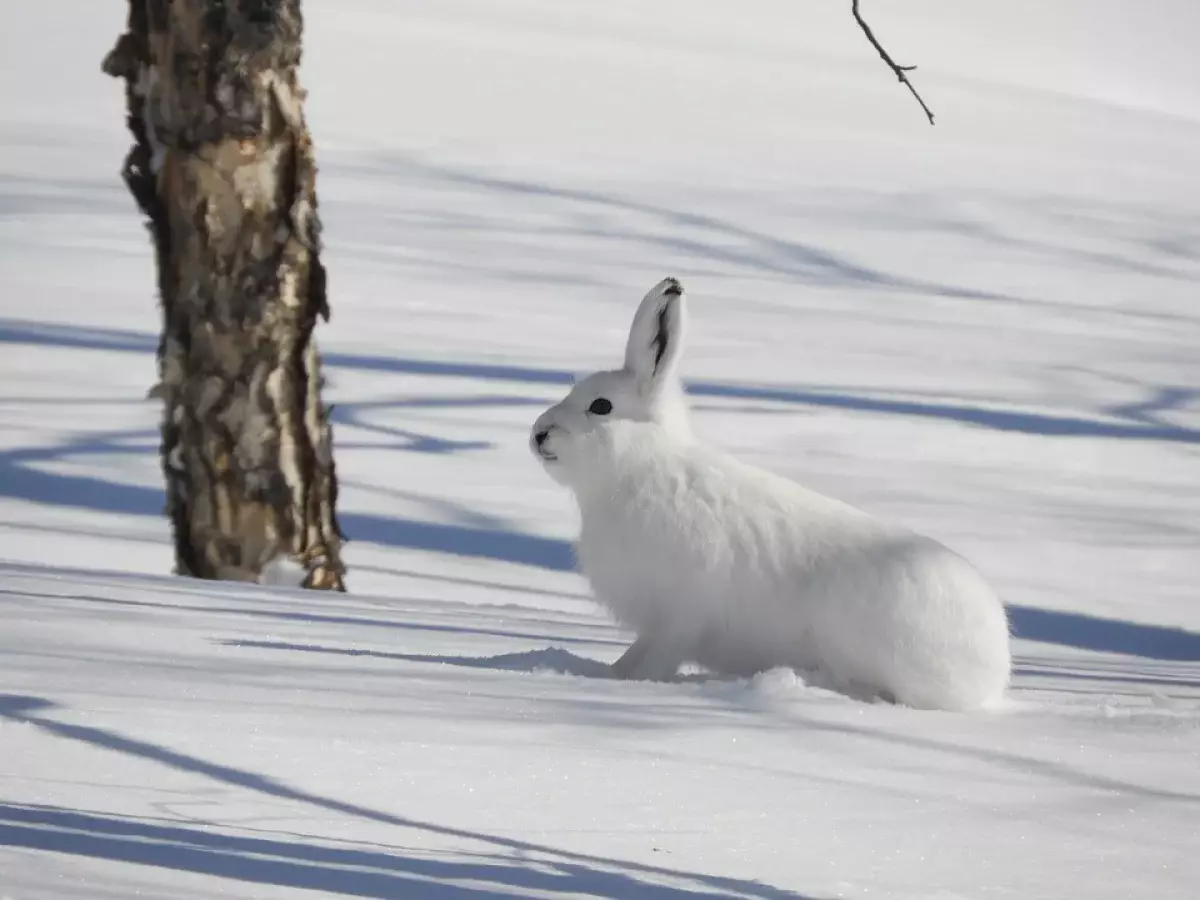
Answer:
(985, 330)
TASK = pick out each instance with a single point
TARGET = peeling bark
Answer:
(222, 166)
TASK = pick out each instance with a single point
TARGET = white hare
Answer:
(710, 560)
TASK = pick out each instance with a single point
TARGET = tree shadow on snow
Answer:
(510, 865)
(1103, 677)
(791, 251)
(1104, 635)
(552, 659)
(338, 870)
(1134, 427)
(1047, 626)
(24, 482)
(21, 478)
(278, 615)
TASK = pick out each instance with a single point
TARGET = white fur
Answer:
(708, 559)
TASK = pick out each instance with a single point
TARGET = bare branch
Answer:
(883, 54)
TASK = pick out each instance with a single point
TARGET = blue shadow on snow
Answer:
(19, 481)
(17, 331)
(513, 868)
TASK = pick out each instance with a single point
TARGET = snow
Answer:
(986, 329)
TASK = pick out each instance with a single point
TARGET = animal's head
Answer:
(646, 389)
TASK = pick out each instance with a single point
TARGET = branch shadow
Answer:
(85, 492)
(525, 590)
(29, 195)
(551, 660)
(18, 331)
(1048, 626)
(1046, 768)
(326, 619)
(1125, 231)
(788, 241)
(462, 540)
(691, 234)
(314, 866)
(1102, 675)
(496, 542)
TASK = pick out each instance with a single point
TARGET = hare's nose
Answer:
(540, 437)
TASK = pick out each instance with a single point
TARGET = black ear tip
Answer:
(672, 287)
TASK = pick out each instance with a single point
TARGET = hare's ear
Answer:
(656, 337)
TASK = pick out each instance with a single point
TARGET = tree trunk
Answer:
(222, 165)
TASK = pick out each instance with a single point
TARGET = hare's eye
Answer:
(600, 407)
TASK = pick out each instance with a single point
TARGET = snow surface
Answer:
(986, 329)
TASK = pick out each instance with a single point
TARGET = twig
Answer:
(898, 69)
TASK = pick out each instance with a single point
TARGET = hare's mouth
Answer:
(547, 456)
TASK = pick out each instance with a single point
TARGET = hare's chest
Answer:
(630, 564)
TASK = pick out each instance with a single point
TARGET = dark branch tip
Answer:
(886, 57)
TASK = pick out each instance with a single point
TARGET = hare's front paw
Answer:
(649, 658)
(631, 658)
